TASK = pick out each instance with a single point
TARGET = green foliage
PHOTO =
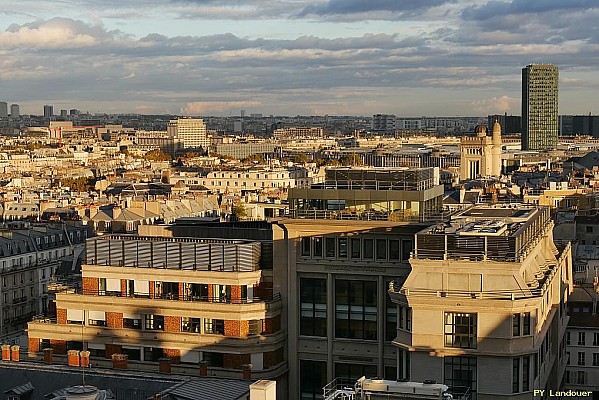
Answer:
(239, 211)
(80, 184)
(157, 155)
(351, 160)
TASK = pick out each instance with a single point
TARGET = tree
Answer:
(351, 160)
(157, 155)
(239, 211)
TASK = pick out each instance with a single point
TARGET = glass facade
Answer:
(355, 309)
(313, 303)
(540, 107)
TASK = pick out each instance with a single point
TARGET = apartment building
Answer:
(29, 258)
(188, 299)
(582, 346)
(248, 180)
(484, 304)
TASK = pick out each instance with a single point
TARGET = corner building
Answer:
(187, 299)
(486, 295)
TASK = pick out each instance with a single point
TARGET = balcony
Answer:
(165, 304)
(48, 328)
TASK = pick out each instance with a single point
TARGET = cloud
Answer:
(361, 6)
(496, 8)
(496, 105)
(54, 33)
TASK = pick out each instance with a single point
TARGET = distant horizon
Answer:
(306, 57)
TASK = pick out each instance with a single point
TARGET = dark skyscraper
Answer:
(539, 107)
(48, 111)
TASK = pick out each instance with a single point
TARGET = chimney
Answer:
(247, 371)
(203, 368)
(263, 390)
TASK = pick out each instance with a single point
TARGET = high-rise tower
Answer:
(539, 107)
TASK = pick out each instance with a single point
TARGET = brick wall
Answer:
(114, 319)
(236, 294)
(272, 358)
(173, 354)
(181, 290)
(61, 315)
(272, 325)
(90, 285)
(235, 361)
(237, 328)
(152, 289)
(263, 290)
(34, 345)
(172, 324)
(123, 287)
(59, 346)
(210, 292)
(113, 349)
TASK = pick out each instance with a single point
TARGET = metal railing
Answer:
(368, 215)
(339, 389)
(396, 287)
(268, 298)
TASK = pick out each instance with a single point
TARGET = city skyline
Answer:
(209, 57)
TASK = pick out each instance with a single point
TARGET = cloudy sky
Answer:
(288, 57)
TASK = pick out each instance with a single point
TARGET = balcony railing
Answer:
(268, 298)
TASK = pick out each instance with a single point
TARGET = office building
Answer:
(345, 240)
(48, 111)
(3, 109)
(383, 123)
(14, 111)
(539, 107)
(510, 124)
(190, 131)
(187, 299)
(481, 154)
(484, 306)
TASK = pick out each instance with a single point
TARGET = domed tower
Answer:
(476, 154)
(496, 150)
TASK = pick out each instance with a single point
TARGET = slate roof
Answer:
(208, 389)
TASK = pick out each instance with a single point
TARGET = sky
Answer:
(294, 57)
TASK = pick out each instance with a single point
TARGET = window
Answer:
(381, 249)
(330, 247)
(406, 249)
(580, 377)
(154, 322)
(354, 371)
(394, 250)
(526, 323)
(516, 375)
(516, 325)
(342, 247)
(581, 337)
(190, 325)
(306, 246)
(567, 358)
(132, 323)
(313, 377)
(581, 356)
(595, 339)
(595, 359)
(568, 338)
(317, 250)
(355, 248)
(355, 309)
(525, 373)
(461, 372)
(521, 324)
(460, 330)
(589, 229)
(214, 326)
(368, 249)
(313, 307)
(391, 319)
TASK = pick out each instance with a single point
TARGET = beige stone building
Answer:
(484, 304)
(481, 154)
